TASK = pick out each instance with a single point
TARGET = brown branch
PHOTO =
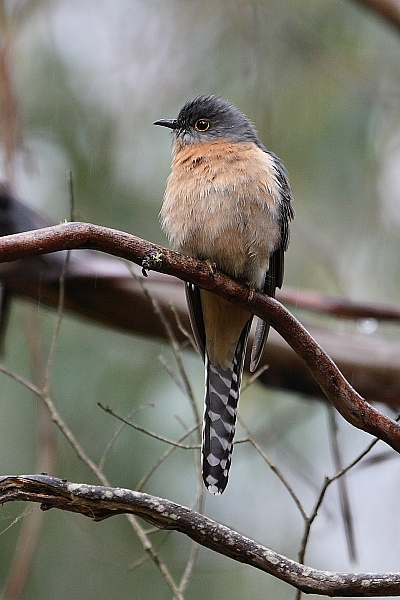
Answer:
(338, 307)
(99, 502)
(81, 235)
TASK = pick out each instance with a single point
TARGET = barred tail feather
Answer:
(221, 405)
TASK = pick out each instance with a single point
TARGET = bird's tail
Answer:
(221, 405)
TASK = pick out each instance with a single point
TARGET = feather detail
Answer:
(220, 412)
(260, 338)
(223, 324)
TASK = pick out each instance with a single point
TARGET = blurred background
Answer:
(321, 82)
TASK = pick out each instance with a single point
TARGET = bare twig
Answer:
(152, 434)
(118, 430)
(176, 350)
(169, 369)
(345, 506)
(30, 386)
(185, 332)
(195, 548)
(56, 334)
(274, 469)
(163, 457)
(327, 482)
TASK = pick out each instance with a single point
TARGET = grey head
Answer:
(209, 118)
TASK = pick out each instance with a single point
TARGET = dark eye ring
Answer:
(202, 125)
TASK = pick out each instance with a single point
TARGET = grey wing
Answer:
(275, 271)
(196, 316)
(274, 277)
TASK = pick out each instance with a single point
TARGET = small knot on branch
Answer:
(152, 261)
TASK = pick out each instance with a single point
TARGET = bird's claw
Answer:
(212, 266)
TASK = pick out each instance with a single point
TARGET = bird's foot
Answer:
(212, 266)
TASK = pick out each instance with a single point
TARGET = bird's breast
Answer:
(222, 204)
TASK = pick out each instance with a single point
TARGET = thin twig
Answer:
(345, 506)
(183, 329)
(14, 522)
(152, 434)
(71, 196)
(56, 334)
(325, 485)
(254, 377)
(30, 386)
(175, 348)
(195, 548)
(162, 458)
(169, 369)
(274, 469)
(311, 518)
(118, 431)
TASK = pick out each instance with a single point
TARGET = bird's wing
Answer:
(274, 276)
(196, 316)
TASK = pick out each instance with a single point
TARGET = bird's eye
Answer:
(202, 125)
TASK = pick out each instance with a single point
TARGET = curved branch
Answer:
(81, 235)
(150, 256)
(99, 502)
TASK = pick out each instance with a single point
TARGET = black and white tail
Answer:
(220, 412)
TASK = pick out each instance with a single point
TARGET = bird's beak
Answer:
(171, 123)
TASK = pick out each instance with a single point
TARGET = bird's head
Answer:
(210, 118)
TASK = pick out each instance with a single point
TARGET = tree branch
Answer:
(99, 502)
(339, 392)
(338, 307)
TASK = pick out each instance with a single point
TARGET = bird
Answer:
(227, 201)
